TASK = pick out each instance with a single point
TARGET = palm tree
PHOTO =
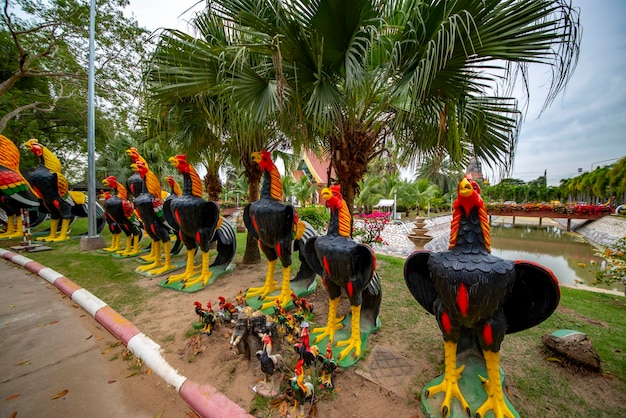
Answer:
(358, 76)
(196, 112)
(304, 190)
(370, 193)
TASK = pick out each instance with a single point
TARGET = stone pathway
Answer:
(389, 370)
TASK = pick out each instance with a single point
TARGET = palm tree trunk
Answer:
(252, 254)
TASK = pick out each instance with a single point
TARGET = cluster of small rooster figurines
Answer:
(293, 369)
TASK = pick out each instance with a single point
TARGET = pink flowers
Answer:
(373, 225)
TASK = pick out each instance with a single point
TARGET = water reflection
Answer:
(558, 250)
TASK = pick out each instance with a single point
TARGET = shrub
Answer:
(316, 215)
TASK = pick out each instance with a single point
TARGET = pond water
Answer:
(559, 250)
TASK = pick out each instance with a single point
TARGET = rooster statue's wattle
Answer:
(477, 298)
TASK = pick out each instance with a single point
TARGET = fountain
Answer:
(418, 236)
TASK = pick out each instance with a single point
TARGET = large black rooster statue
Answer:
(477, 298)
(15, 192)
(279, 232)
(52, 188)
(348, 266)
(199, 224)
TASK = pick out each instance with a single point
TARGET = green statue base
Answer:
(367, 328)
(216, 272)
(471, 387)
(299, 287)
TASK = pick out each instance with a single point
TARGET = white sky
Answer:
(585, 126)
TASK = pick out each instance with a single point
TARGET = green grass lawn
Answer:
(541, 387)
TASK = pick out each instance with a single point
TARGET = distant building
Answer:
(474, 169)
(315, 170)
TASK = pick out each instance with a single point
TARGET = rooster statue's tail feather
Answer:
(226, 244)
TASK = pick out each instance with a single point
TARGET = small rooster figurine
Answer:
(15, 192)
(150, 208)
(344, 265)
(276, 226)
(477, 298)
(199, 223)
(52, 188)
(122, 211)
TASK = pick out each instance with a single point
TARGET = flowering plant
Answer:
(543, 207)
(373, 225)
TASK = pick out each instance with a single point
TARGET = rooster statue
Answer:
(122, 212)
(277, 229)
(52, 188)
(150, 208)
(114, 228)
(15, 192)
(199, 223)
(476, 298)
(345, 265)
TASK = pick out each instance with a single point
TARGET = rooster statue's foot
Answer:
(495, 402)
(262, 291)
(59, 239)
(353, 343)
(183, 277)
(202, 278)
(328, 331)
(450, 387)
(148, 267)
(284, 298)
(11, 235)
(161, 270)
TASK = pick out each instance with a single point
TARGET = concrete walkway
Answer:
(46, 348)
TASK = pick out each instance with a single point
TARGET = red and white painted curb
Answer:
(205, 400)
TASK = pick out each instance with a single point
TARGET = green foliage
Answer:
(43, 82)
(316, 215)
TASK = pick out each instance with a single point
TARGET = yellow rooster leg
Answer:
(154, 255)
(167, 265)
(10, 227)
(269, 286)
(54, 224)
(14, 228)
(127, 248)
(156, 248)
(332, 324)
(189, 270)
(354, 342)
(450, 383)
(115, 243)
(285, 291)
(134, 250)
(495, 398)
(205, 273)
(65, 225)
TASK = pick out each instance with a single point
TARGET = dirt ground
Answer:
(168, 319)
